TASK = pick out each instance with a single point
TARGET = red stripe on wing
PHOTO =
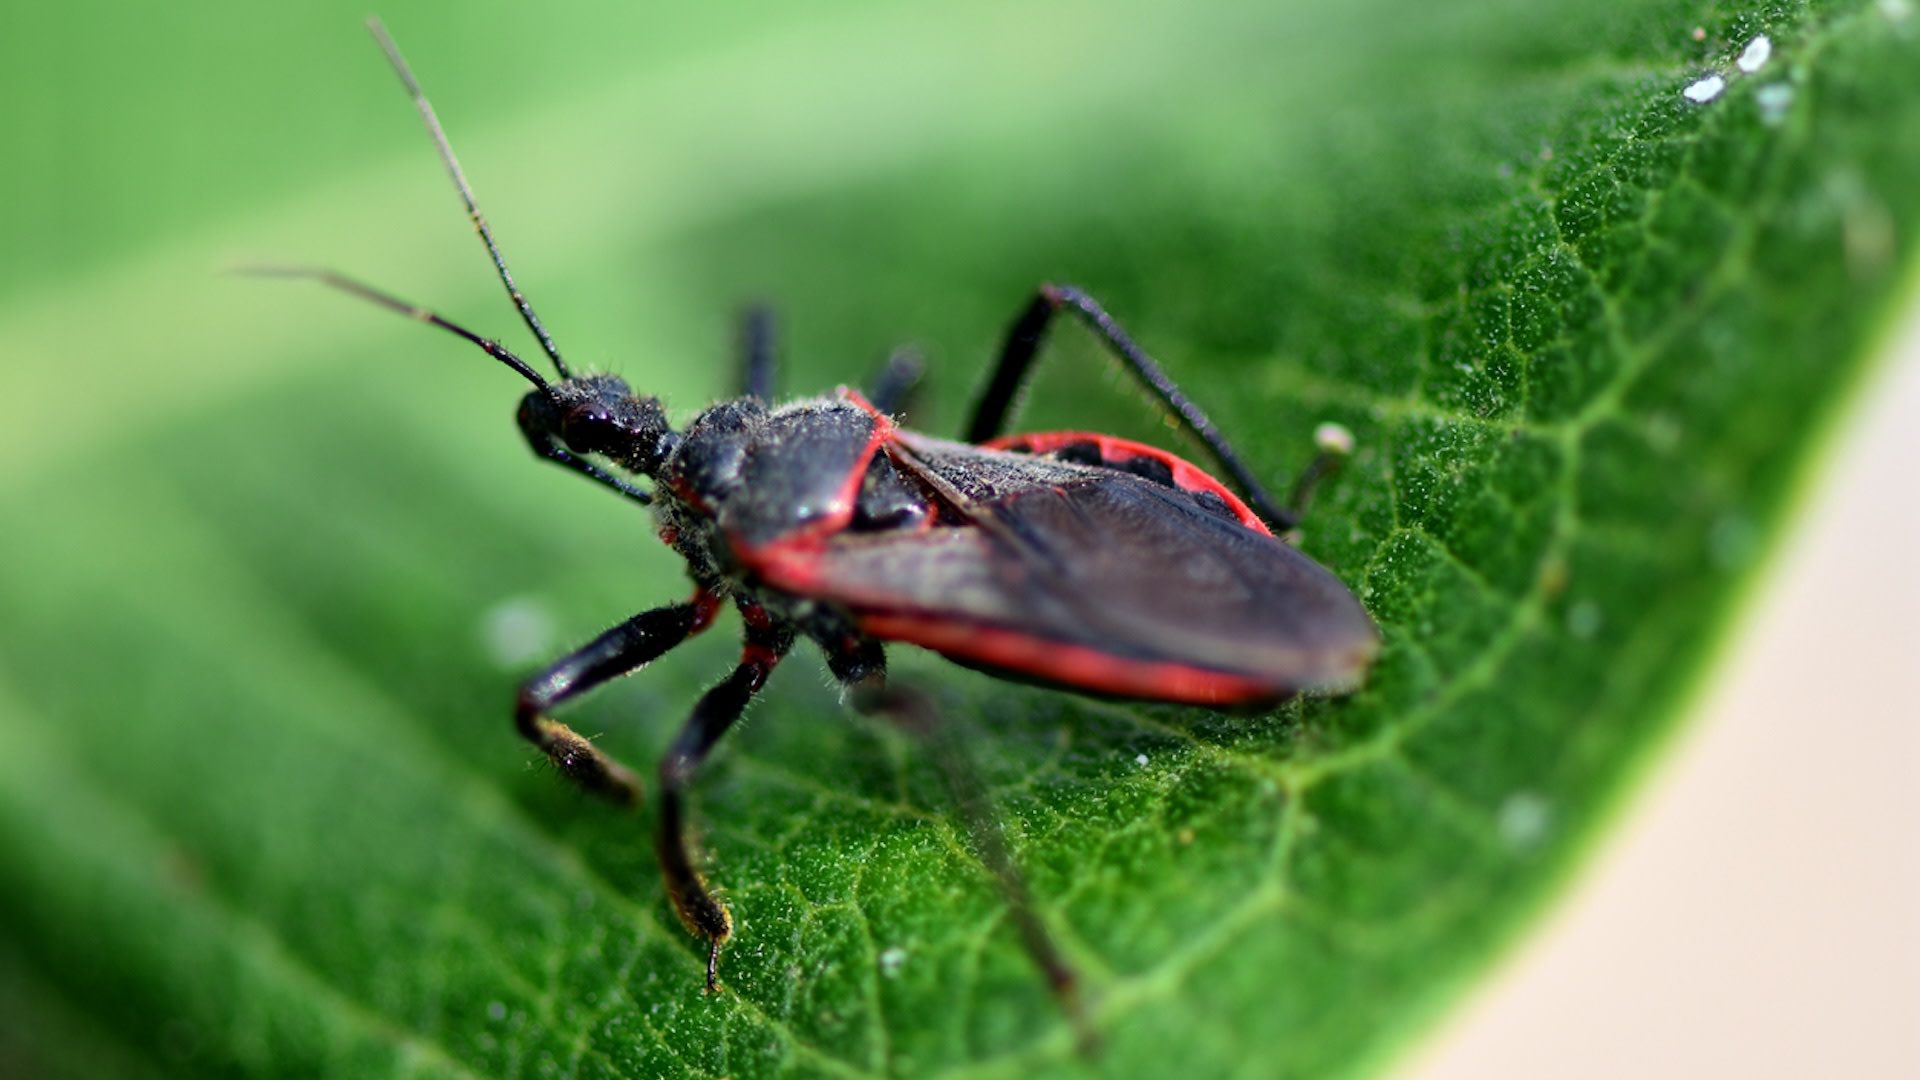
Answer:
(1186, 475)
(1070, 665)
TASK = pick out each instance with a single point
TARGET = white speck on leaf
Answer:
(1701, 91)
(1524, 819)
(1664, 432)
(892, 960)
(517, 631)
(1773, 99)
(1140, 760)
(1333, 438)
(1756, 54)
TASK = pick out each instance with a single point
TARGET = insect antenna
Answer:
(460, 184)
(412, 311)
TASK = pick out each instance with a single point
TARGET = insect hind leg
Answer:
(914, 713)
(1022, 345)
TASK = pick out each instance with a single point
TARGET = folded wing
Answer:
(1105, 582)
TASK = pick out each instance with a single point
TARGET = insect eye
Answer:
(586, 427)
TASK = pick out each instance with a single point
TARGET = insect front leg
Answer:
(915, 713)
(1023, 342)
(621, 650)
(702, 912)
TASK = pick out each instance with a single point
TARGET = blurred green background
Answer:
(273, 560)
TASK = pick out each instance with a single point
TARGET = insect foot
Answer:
(579, 761)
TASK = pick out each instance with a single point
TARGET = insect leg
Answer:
(758, 363)
(621, 650)
(893, 388)
(914, 713)
(1023, 344)
(702, 912)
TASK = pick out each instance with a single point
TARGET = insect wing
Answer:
(1094, 579)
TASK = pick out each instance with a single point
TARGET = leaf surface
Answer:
(275, 562)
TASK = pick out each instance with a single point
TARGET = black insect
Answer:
(1077, 560)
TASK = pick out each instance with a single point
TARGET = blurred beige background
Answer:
(1758, 912)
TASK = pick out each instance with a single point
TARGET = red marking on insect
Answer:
(706, 605)
(1119, 453)
(1075, 666)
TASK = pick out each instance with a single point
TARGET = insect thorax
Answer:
(745, 478)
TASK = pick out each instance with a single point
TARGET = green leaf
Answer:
(274, 562)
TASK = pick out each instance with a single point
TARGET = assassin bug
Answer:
(1079, 560)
